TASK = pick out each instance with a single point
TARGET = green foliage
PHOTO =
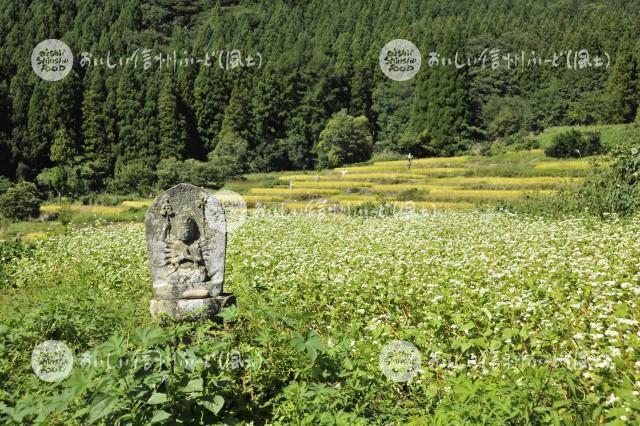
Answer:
(172, 127)
(615, 189)
(517, 142)
(9, 252)
(387, 155)
(345, 140)
(392, 105)
(62, 149)
(612, 190)
(622, 87)
(210, 93)
(5, 183)
(20, 202)
(135, 177)
(210, 174)
(507, 117)
(611, 135)
(64, 215)
(442, 113)
(230, 153)
(574, 144)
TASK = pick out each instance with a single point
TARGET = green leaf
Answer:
(561, 403)
(103, 408)
(159, 415)
(468, 326)
(194, 385)
(311, 343)
(149, 336)
(214, 406)
(229, 313)
(157, 398)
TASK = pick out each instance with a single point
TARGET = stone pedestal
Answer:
(191, 309)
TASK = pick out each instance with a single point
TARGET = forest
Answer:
(122, 128)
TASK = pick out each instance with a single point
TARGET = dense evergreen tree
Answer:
(96, 143)
(623, 86)
(173, 134)
(210, 98)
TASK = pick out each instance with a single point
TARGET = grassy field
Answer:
(127, 211)
(517, 320)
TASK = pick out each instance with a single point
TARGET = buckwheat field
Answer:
(514, 319)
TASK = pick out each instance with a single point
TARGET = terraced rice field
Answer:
(430, 183)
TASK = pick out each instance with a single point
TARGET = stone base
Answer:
(191, 309)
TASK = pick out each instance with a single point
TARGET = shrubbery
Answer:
(134, 177)
(20, 202)
(615, 189)
(612, 189)
(345, 140)
(210, 174)
(517, 142)
(5, 183)
(10, 250)
(574, 144)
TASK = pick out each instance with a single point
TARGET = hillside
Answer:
(126, 129)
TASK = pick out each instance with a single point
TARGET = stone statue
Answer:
(186, 241)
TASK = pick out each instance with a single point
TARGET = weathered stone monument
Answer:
(186, 236)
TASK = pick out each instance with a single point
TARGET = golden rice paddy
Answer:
(337, 184)
(303, 178)
(351, 175)
(287, 192)
(537, 182)
(90, 209)
(482, 194)
(581, 164)
(387, 173)
(354, 199)
(419, 186)
(425, 162)
(137, 204)
(440, 183)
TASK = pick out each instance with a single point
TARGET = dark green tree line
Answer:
(316, 61)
